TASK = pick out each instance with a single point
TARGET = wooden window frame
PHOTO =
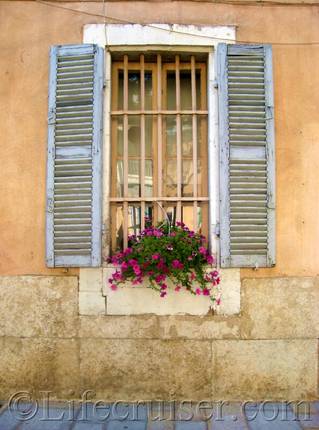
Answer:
(159, 111)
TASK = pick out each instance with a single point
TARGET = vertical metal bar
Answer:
(178, 137)
(142, 64)
(194, 137)
(159, 129)
(125, 152)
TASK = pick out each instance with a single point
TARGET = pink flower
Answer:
(137, 270)
(132, 262)
(215, 273)
(137, 281)
(169, 248)
(178, 288)
(198, 291)
(163, 293)
(160, 278)
(113, 287)
(210, 259)
(163, 286)
(202, 250)
(192, 276)
(173, 234)
(124, 265)
(176, 264)
(189, 258)
(128, 251)
(155, 257)
(206, 292)
(218, 301)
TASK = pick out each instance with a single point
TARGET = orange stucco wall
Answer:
(27, 31)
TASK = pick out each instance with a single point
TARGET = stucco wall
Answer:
(29, 28)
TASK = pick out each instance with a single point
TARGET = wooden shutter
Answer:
(74, 156)
(247, 169)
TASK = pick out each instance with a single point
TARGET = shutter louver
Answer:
(74, 156)
(246, 129)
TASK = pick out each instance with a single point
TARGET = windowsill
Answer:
(96, 298)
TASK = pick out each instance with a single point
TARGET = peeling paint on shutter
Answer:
(246, 138)
(74, 156)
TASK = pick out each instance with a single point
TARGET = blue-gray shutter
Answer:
(247, 155)
(74, 165)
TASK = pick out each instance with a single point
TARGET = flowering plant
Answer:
(168, 252)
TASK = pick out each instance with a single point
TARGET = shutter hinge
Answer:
(51, 117)
(269, 113)
(50, 206)
(217, 229)
(215, 83)
(270, 203)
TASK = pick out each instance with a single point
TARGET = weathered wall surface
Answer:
(269, 351)
(29, 28)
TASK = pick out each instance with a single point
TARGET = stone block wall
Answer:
(267, 351)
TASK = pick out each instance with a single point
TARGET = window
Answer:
(162, 160)
(159, 133)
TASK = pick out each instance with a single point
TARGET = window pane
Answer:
(134, 90)
(186, 89)
(134, 178)
(149, 119)
(117, 227)
(119, 178)
(148, 90)
(134, 220)
(170, 160)
(148, 190)
(187, 181)
(188, 215)
(118, 135)
(198, 90)
(170, 101)
(119, 104)
(187, 136)
(134, 135)
(170, 212)
(170, 135)
(202, 161)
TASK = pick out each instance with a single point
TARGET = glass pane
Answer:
(134, 135)
(119, 178)
(202, 161)
(149, 214)
(117, 129)
(198, 91)
(117, 227)
(186, 89)
(188, 215)
(187, 181)
(148, 135)
(171, 90)
(134, 178)
(170, 135)
(170, 160)
(134, 90)
(170, 211)
(134, 220)
(148, 90)
(187, 136)
(148, 190)
(203, 218)
(120, 90)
